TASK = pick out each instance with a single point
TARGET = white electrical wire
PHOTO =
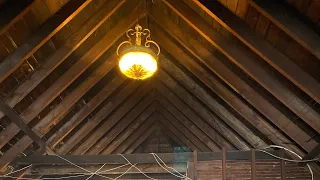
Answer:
(124, 172)
(66, 177)
(82, 167)
(95, 173)
(156, 157)
(290, 160)
(136, 167)
(18, 170)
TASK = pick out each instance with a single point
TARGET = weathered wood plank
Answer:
(288, 22)
(253, 165)
(203, 131)
(142, 158)
(67, 78)
(141, 139)
(109, 146)
(137, 107)
(61, 110)
(170, 135)
(20, 123)
(101, 96)
(41, 36)
(184, 125)
(265, 50)
(236, 83)
(69, 170)
(140, 111)
(195, 164)
(62, 53)
(184, 134)
(54, 116)
(100, 115)
(203, 112)
(224, 163)
(243, 59)
(134, 136)
(254, 118)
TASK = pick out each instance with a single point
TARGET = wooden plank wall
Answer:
(241, 170)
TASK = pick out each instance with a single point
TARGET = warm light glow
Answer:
(138, 65)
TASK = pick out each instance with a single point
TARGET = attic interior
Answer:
(236, 90)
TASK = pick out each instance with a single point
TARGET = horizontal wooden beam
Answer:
(248, 63)
(137, 158)
(71, 170)
(41, 36)
(260, 46)
(289, 23)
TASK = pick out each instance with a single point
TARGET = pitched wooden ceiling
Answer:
(235, 74)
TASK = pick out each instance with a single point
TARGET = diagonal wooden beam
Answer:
(134, 136)
(168, 96)
(264, 49)
(41, 36)
(141, 112)
(201, 110)
(107, 108)
(90, 106)
(170, 135)
(141, 139)
(122, 135)
(176, 120)
(54, 116)
(177, 128)
(62, 109)
(22, 125)
(289, 23)
(137, 106)
(251, 116)
(102, 114)
(12, 11)
(236, 83)
(67, 78)
(248, 63)
(63, 52)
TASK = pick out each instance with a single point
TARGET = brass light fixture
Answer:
(137, 60)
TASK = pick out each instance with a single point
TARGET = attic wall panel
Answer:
(241, 170)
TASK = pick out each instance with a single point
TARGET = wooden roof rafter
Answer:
(231, 79)
(184, 98)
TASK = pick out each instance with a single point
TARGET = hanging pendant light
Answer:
(137, 60)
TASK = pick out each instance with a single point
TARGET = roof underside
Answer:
(235, 74)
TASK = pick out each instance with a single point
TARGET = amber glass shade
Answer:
(138, 64)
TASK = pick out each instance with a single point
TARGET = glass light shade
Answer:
(138, 64)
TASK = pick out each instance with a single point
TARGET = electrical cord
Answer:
(289, 160)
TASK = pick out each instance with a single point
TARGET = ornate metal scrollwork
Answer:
(138, 33)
